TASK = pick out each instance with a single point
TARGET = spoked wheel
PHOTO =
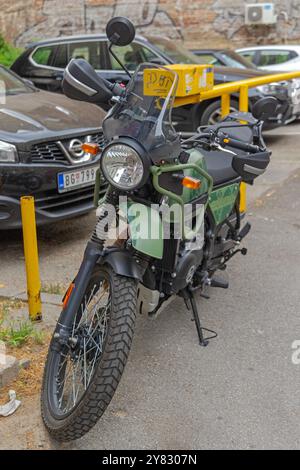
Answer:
(81, 377)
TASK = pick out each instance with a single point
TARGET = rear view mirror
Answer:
(265, 108)
(120, 31)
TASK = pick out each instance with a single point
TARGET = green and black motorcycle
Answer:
(178, 205)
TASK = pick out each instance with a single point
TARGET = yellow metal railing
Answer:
(224, 91)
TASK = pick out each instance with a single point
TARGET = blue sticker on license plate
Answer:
(60, 181)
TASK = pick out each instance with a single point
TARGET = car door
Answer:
(40, 68)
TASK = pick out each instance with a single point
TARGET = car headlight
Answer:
(269, 88)
(122, 166)
(8, 153)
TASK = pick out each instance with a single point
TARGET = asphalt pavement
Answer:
(242, 391)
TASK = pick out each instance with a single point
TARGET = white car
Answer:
(275, 58)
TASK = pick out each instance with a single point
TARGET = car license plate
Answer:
(76, 179)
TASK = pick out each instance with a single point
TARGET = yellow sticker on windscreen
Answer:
(158, 82)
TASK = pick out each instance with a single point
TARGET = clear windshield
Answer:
(175, 51)
(145, 112)
(10, 84)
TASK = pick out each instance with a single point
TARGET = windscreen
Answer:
(144, 114)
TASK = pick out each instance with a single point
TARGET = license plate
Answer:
(76, 179)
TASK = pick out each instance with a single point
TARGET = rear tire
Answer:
(68, 425)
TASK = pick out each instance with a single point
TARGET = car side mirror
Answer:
(265, 108)
(120, 31)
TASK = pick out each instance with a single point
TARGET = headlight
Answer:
(8, 153)
(122, 166)
(267, 89)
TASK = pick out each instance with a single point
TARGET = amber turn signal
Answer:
(93, 149)
(68, 295)
(190, 182)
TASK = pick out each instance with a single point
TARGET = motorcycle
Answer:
(178, 203)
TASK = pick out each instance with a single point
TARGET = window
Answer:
(275, 57)
(61, 57)
(132, 56)
(249, 55)
(89, 51)
(43, 55)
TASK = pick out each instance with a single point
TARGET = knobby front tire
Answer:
(98, 370)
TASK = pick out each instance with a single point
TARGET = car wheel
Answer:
(213, 113)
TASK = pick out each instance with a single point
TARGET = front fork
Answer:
(92, 253)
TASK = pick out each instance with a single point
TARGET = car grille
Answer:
(59, 203)
(51, 152)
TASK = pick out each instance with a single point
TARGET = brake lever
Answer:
(219, 147)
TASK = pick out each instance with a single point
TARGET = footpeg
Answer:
(244, 232)
(218, 282)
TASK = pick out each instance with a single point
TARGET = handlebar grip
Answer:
(118, 90)
(235, 143)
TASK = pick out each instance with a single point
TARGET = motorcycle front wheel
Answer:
(81, 377)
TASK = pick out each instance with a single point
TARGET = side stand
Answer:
(189, 295)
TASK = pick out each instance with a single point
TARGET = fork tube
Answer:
(91, 255)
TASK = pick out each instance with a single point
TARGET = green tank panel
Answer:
(196, 158)
(222, 200)
(141, 220)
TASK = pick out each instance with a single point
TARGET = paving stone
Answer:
(9, 370)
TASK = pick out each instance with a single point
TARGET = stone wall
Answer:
(196, 22)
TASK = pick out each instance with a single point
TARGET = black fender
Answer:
(123, 263)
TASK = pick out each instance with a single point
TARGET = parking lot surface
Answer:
(242, 391)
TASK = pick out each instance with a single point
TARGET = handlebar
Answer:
(238, 144)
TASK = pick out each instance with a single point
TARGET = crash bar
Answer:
(31, 258)
(224, 91)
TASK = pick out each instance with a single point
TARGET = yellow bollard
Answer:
(31, 258)
(244, 103)
(225, 105)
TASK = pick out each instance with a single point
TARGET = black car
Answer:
(44, 63)
(40, 152)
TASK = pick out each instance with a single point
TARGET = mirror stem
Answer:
(119, 62)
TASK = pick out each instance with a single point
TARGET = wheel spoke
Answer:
(77, 365)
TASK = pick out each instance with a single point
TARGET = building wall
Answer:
(196, 22)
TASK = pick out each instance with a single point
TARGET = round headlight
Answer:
(122, 166)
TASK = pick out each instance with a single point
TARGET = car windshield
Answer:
(10, 84)
(144, 114)
(176, 52)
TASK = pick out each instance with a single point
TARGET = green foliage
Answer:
(8, 53)
(17, 333)
(16, 336)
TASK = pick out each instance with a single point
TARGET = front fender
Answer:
(122, 263)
